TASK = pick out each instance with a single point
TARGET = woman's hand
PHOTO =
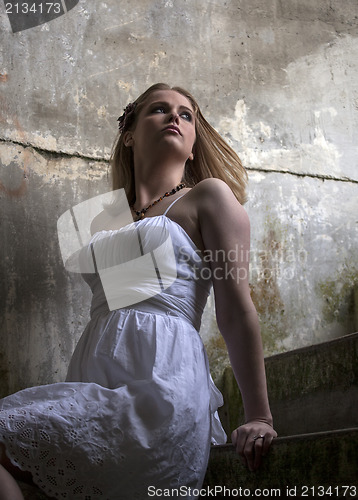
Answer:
(252, 442)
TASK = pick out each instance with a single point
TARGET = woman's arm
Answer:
(225, 230)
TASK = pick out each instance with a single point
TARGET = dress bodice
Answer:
(151, 265)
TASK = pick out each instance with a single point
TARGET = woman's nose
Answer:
(174, 117)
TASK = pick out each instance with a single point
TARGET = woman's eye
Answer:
(158, 109)
(187, 116)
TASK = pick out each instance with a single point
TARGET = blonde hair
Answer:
(213, 157)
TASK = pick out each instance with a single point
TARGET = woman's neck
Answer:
(149, 188)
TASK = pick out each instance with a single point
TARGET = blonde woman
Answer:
(137, 413)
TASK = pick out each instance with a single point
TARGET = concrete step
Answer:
(315, 465)
(312, 389)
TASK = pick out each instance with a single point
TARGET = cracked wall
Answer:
(277, 79)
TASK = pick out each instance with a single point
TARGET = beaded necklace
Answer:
(140, 213)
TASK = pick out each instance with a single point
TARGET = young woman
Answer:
(138, 409)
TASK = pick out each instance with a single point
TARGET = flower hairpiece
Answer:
(124, 118)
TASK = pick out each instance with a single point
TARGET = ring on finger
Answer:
(258, 436)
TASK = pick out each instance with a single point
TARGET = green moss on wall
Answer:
(338, 297)
(265, 291)
(217, 355)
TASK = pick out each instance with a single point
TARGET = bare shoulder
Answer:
(215, 199)
(211, 185)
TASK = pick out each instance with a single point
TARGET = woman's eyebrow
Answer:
(163, 103)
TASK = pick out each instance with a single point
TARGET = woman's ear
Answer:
(192, 154)
(128, 139)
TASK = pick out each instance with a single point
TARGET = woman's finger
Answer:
(249, 452)
(259, 447)
(239, 439)
(267, 443)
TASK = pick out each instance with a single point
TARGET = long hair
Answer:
(213, 157)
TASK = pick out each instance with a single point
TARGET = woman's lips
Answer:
(173, 129)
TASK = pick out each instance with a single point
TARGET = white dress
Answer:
(138, 409)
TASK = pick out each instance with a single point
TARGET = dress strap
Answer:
(172, 203)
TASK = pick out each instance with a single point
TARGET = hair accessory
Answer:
(140, 213)
(123, 119)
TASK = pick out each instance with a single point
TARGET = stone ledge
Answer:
(311, 389)
(316, 459)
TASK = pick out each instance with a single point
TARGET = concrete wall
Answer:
(279, 79)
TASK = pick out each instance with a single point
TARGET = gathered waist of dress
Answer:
(145, 306)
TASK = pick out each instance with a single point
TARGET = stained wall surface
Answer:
(278, 79)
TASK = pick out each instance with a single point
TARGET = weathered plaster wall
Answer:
(277, 78)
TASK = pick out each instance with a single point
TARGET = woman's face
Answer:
(165, 126)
